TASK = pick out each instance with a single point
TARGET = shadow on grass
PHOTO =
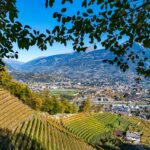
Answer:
(8, 141)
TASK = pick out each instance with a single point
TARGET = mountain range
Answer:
(76, 66)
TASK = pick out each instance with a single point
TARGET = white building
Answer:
(134, 137)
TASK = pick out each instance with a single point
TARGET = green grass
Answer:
(65, 92)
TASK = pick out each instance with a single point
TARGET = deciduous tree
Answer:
(86, 106)
(116, 24)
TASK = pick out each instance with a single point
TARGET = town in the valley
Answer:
(130, 99)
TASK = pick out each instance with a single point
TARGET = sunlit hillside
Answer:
(28, 129)
(12, 111)
(24, 128)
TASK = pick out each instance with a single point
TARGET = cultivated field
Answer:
(29, 129)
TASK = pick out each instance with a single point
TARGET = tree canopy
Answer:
(85, 106)
(115, 24)
(37, 100)
(19, 90)
(12, 31)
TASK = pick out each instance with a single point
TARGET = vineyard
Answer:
(12, 111)
(41, 134)
(29, 129)
(88, 127)
(32, 130)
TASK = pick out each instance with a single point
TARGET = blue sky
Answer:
(34, 13)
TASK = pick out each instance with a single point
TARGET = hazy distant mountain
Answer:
(66, 61)
(79, 61)
(13, 64)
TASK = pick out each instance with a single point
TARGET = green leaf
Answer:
(46, 3)
(51, 3)
(63, 10)
(27, 27)
(90, 11)
(85, 14)
(84, 3)
(48, 31)
(109, 12)
(95, 46)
